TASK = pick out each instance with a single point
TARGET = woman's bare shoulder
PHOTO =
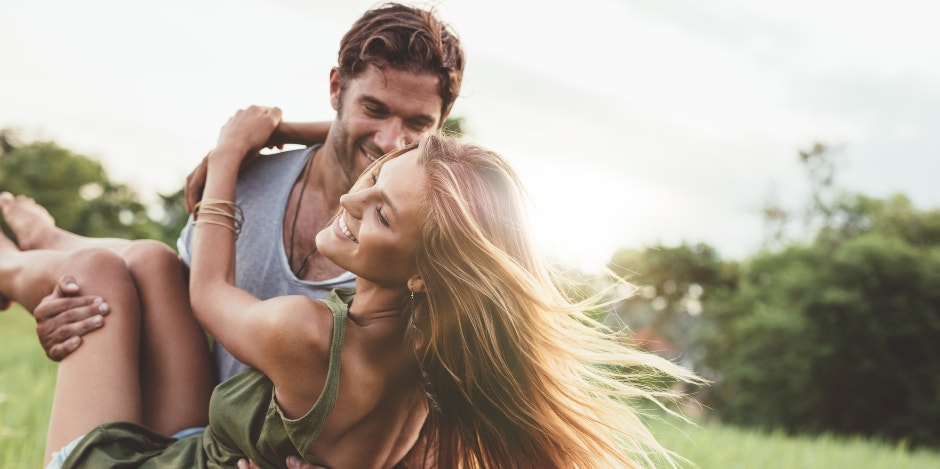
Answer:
(300, 315)
(290, 328)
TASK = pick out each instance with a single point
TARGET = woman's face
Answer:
(375, 233)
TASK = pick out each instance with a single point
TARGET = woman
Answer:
(454, 312)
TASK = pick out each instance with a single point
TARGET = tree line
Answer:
(80, 195)
(830, 328)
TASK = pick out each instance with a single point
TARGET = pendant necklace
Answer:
(298, 271)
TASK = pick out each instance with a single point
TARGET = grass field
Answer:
(723, 447)
(27, 380)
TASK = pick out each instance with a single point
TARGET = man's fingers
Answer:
(60, 322)
(69, 309)
(66, 286)
(60, 351)
(60, 342)
(61, 331)
(195, 183)
(293, 462)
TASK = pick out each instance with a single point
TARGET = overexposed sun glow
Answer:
(582, 216)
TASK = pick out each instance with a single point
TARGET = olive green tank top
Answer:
(244, 422)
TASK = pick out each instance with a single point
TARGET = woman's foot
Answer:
(33, 226)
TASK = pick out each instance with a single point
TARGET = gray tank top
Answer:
(261, 262)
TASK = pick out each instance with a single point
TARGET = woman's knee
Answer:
(96, 266)
(146, 257)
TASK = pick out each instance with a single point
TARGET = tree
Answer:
(75, 189)
(819, 165)
(174, 215)
(834, 330)
(454, 126)
(674, 286)
(839, 335)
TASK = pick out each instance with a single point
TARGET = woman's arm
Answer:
(259, 333)
(298, 133)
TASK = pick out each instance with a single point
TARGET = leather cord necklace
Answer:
(298, 271)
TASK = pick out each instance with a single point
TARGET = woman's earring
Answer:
(412, 297)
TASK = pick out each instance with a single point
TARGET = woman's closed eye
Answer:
(382, 219)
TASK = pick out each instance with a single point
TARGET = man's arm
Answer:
(63, 317)
(300, 133)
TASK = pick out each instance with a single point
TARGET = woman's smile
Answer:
(344, 228)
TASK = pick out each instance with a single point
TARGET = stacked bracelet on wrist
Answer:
(218, 207)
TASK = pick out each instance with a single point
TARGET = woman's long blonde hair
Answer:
(517, 374)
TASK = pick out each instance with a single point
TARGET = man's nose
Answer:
(391, 136)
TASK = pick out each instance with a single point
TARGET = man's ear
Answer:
(336, 84)
(416, 284)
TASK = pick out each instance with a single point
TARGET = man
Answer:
(398, 75)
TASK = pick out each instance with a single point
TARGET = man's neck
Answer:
(328, 177)
(313, 201)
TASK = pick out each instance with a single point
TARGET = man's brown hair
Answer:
(408, 39)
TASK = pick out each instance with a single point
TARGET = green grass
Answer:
(27, 379)
(726, 447)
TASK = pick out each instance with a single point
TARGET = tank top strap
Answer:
(338, 302)
(311, 425)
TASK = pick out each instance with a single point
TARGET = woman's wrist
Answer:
(228, 153)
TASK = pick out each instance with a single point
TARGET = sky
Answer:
(631, 122)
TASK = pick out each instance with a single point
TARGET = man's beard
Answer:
(343, 150)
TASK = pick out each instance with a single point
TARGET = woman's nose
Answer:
(351, 203)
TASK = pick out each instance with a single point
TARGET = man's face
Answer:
(380, 111)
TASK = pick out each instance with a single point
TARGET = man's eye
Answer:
(375, 111)
(419, 126)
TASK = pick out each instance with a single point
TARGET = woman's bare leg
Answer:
(99, 382)
(177, 371)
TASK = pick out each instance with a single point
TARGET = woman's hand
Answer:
(246, 133)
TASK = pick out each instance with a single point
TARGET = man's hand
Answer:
(63, 317)
(293, 462)
(195, 183)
